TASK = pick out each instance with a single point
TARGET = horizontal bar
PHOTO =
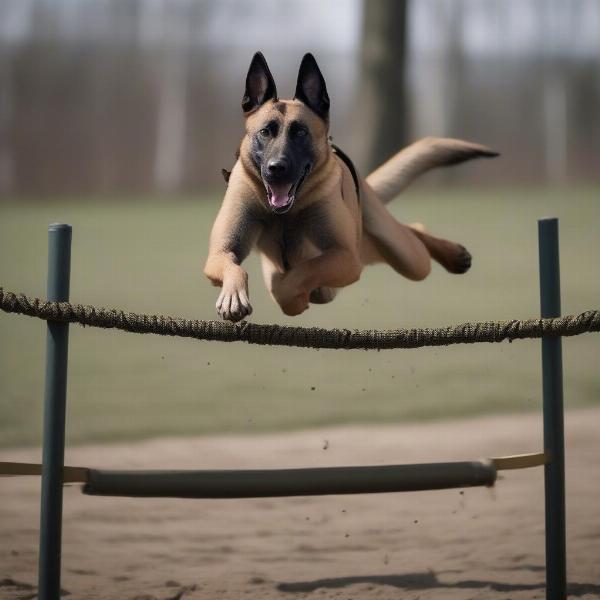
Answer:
(521, 461)
(81, 474)
(290, 482)
(12, 469)
(70, 474)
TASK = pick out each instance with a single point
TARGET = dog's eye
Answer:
(301, 132)
(265, 132)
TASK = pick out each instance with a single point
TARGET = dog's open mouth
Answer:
(281, 196)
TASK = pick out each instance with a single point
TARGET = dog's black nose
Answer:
(278, 166)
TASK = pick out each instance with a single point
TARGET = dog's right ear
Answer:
(260, 85)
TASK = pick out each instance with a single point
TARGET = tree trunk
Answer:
(383, 65)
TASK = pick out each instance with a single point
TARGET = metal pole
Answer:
(55, 399)
(554, 442)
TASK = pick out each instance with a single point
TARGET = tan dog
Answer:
(297, 199)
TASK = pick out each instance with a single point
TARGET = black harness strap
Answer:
(337, 150)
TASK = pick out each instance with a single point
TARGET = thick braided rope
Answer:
(304, 337)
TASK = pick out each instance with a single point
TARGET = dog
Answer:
(298, 200)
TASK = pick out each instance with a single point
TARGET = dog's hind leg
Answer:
(407, 249)
(387, 240)
(452, 256)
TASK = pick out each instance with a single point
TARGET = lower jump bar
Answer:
(289, 482)
(285, 482)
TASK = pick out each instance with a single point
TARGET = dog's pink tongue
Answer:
(279, 195)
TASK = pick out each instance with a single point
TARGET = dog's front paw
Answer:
(233, 305)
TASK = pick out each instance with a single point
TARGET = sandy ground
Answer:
(454, 544)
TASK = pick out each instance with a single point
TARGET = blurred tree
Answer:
(383, 64)
(169, 160)
(6, 117)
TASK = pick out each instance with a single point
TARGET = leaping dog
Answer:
(299, 201)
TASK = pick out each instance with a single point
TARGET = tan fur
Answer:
(393, 176)
(309, 270)
(364, 232)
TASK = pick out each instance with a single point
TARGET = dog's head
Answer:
(286, 139)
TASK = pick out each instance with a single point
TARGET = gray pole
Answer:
(55, 399)
(554, 439)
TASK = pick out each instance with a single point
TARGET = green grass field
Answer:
(146, 255)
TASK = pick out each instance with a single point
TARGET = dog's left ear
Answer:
(311, 88)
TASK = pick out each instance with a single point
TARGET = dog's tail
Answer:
(398, 172)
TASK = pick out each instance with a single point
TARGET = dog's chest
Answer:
(300, 235)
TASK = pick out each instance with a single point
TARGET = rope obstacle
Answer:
(301, 337)
(58, 313)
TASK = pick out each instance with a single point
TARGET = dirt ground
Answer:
(453, 544)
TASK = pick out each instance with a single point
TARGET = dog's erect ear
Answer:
(311, 88)
(260, 85)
